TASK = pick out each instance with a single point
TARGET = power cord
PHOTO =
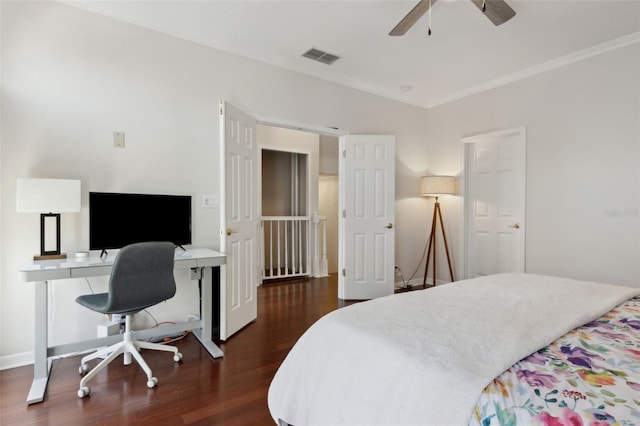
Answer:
(406, 283)
(89, 284)
(165, 340)
(168, 339)
(152, 317)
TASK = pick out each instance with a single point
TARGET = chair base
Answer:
(128, 347)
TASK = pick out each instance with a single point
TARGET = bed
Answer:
(507, 349)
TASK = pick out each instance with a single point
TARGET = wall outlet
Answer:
(118, 139)
(195, 274)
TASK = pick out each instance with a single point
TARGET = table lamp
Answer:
(435, 186)
(49, 197)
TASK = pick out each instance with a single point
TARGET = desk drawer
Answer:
(185, 263)
(93, 271)
(45, 274)
(212, 261)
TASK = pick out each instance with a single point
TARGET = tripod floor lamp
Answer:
(435, 186)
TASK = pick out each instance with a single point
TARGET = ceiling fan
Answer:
(497, 11)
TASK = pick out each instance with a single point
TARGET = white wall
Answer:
(70, 78)
(328, 196)
(328, 206)
(583, 163)
(329, 147)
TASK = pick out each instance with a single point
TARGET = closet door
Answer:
(495, 197)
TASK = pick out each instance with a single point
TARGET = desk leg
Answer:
(41, 365)
(204, 334)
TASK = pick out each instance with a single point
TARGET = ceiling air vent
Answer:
(320, 56)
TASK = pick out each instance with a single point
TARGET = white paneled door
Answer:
(238, 219)
(495, 201)
(367, 230)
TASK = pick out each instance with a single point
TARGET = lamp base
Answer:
(50, 256)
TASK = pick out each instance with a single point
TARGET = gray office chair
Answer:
(142, 276)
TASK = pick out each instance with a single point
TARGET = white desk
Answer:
(203, 261)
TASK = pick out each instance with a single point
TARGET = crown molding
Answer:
(580, 55)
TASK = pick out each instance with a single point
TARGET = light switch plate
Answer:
(211, 201)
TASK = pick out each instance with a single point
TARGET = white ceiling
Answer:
(465, 54)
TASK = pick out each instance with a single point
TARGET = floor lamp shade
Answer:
(437, 185)
(49, 197)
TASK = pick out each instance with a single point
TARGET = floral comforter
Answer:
(590, 376)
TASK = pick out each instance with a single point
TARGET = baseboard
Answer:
(16, 360)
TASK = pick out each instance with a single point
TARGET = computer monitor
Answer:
(120, 219)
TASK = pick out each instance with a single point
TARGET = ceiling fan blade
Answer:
(497, 11)
(411, 18)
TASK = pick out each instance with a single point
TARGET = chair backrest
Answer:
(142, 276)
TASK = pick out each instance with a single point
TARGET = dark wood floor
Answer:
(199, 391)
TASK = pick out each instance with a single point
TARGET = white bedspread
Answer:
(424, 357)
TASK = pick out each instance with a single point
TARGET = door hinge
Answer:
(344, 213)
(344, 153)
(344, 272)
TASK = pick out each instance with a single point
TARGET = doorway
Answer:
(284, 221)
(299, 206)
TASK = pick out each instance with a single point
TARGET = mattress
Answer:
(424, 357)
(589, 376)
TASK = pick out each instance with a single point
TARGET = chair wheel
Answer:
(82, 370)
(152, 382)
(177, 357)
(84, 391)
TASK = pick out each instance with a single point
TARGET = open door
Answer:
(366, 202)
(238, 219)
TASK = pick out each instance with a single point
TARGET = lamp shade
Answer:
(48, 195)
(437, 185)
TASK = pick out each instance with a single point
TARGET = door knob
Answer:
(389, 225)
(515, 225)
(231, 231)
